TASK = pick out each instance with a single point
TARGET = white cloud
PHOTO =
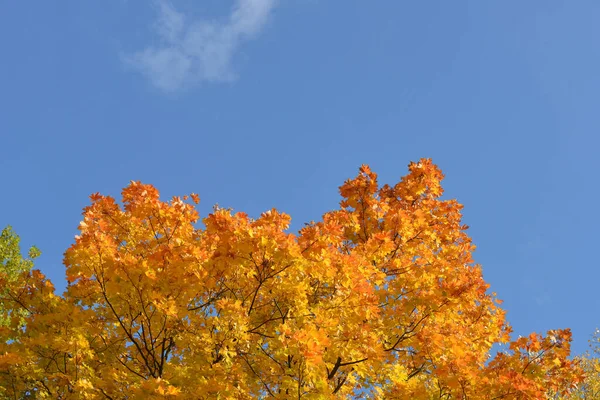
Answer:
(190, 52)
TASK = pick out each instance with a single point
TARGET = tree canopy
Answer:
(589, 388)
(12, 261)
(381, 298)
(12, 264)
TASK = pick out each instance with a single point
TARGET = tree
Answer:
(12, 263)
(589, 389)
(379, 299)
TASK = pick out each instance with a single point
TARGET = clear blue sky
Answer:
(256, 104)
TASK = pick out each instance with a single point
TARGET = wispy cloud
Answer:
(192, 51)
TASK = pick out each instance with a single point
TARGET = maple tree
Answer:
(12, 262)
(589, 388)
(381, 298)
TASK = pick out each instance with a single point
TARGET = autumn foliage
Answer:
(589, 388)
(379, 299)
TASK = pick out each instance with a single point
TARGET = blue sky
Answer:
(256, 104)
